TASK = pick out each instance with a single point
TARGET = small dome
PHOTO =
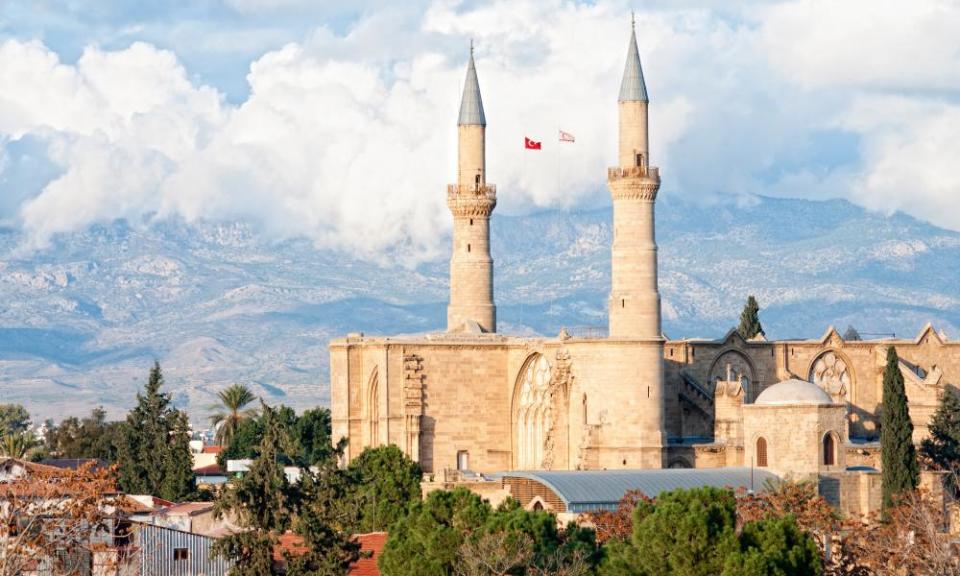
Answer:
(793, 391)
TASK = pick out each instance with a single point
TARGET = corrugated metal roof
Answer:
(632, 87)
(585, 490)
(471, 105)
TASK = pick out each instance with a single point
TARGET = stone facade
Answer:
(472, 399)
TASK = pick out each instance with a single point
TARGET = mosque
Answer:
(472, 399)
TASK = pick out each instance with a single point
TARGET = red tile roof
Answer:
(212, 449)
(187, 509)
(211, 470)
(371, 545)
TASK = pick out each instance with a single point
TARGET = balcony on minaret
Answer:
(618, 173)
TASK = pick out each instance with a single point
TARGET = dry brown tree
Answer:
(494, 554)
(912, 540)
(54, 520)
(617, 524)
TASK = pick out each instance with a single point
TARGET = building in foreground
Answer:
(470, 398)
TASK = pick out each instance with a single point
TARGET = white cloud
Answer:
(350, 139)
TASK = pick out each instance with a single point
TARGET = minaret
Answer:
(471, 201)
(634, 299)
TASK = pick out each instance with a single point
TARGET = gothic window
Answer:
(532, 417)
(732, 366)
(761, 452)
(829, 450)
(373, 410)
(830, 372)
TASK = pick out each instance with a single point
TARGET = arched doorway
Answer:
(829, 449)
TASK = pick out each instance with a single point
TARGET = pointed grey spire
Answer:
(633, 88)
(471, 106)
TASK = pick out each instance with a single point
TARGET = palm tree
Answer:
(16, 445)
(227, 420)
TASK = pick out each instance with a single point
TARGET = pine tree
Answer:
(750, 319)
(898, 454)
(154, 446)
(942, 448)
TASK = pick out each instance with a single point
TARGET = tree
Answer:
(618, 524)
(449, 530)
(942, 448)
(16, 444)
(689, 532)
(750, 319)
(91, 437)
(244, 443)
(313, 433)
(13, 418)
(266, 504)
(851, 334)
(385, 482)
(774, 546)
(232, 402)
(154, 446)
(898, 455)
(49, 517)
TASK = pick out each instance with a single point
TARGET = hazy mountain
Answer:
(81, 322)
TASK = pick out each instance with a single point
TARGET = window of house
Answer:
(180, 553)
(463, 460)
(829, 450)
(761, 452)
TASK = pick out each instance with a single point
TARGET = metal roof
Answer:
(471, 106)
(586, 490)
(633, 88)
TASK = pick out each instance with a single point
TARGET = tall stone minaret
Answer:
(634, 298)
(471, 201)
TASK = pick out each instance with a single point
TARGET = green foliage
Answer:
(232, 412)
(942, 448)
(312, 431)
(900, 471)
(267, 505)
(309, 437)
(13, 418)
(251, 552)
(384, 483)
(428, 541)
(694, 533)
(750, 319)
(16, 444)
(688, 532)
(774, 546)
(90, 437)
(154, 446)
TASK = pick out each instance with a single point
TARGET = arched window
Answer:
(829, 450)
(761, 452)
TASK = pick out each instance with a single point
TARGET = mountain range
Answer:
(217, 302)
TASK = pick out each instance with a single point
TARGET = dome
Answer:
(793, 391)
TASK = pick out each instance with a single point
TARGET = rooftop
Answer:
(586, 490)
(793, 392)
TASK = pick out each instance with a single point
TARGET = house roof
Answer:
(187, 509)
(211, 470)
(373, 544)
(74, 463)
(212, 449)
(792, 392)
(587, 490)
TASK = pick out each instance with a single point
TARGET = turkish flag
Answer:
(530, 144)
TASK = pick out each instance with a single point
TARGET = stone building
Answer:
(470, 398)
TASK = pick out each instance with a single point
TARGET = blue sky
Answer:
(335, 120)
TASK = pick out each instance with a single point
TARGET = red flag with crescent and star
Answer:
(531, 145)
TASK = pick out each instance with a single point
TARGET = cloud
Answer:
(348, 136)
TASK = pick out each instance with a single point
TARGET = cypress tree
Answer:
(898, 454)
(750, 319)
(154, 446)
